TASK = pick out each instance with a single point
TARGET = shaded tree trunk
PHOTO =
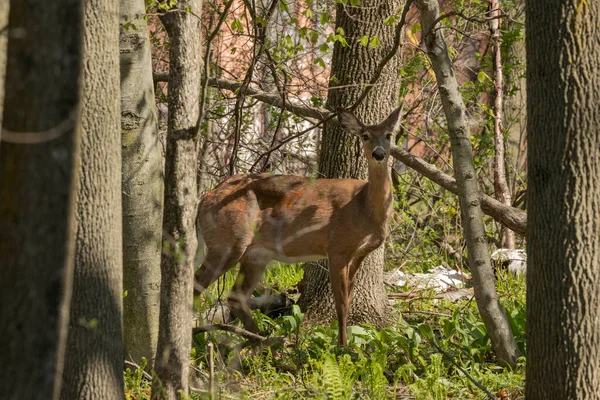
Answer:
(181, 201)
(563, 239)
(94, 356)
(341, 154)
(38, 175)
(484, 282)
(142, 186)
(4, 7)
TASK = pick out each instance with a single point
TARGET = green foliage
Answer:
(376, 364)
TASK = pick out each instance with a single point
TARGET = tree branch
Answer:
(511, 217)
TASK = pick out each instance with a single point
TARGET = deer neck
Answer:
(379, 192)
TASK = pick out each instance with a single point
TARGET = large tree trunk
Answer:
(484, 282)
(37, 184)
(181, 201)
(563, 240)
(142, 186)
(94, 357)
(341, 154)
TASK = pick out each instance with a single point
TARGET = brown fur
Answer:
(254, 219)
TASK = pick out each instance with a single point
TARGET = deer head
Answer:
(376, 139)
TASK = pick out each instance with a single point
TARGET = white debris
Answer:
(439, 279)
(515, 259)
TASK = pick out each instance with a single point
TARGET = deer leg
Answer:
(215, 264)
(354, 266)
(247, 279)
(339, 269)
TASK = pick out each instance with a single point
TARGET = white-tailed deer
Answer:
(254, 219)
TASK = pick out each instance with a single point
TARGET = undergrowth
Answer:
(402, 361)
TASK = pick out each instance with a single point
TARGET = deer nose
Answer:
(378, 154)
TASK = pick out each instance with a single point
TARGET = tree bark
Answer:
(38, 175)
(563, 241)
(500, 184)
(181, 201)
(484, 281)
(4, 8)
(94, 356)
(143, 187)
(341, 154)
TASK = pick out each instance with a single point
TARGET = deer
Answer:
(254, 219)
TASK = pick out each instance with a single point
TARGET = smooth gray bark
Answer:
(94, 355)
(181, 201)
(142, 186)
(484, 281)
(341, 154)
(563, 240)
(38, 175)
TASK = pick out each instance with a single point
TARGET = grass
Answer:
(398, 362)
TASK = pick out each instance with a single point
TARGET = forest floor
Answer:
(434, 350)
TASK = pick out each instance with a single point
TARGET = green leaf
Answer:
(325, 17)
(427, 332)
(355, 3)
(364, 41)
(324, 48)
(314, 37)
(390, 20)
(482, 76)
(374, 41)
(319, 61)
(415, 28)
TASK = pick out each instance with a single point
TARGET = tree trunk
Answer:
(341, 154)
(94, 356)
(4, 7)
(563, 240)
(142, 186)
(38, 175)
(469, 196)
(500, 184)
(181, 201)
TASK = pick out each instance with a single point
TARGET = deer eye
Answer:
(365, 137)
(388, 136)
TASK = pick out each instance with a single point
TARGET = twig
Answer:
(206, 71)
(211, 371)
(461, 369)
(229, 328)
(427, 313)
(134, 365)
(259, 46)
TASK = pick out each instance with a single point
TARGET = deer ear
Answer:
(392, 122)
(349, 122)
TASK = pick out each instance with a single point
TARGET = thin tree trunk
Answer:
(181, 201)
(4, 8)
(38, 175)
(341, 154)
(500, 183)
(563, 240)
(143, 186)
(489, 306)
(94, 356)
